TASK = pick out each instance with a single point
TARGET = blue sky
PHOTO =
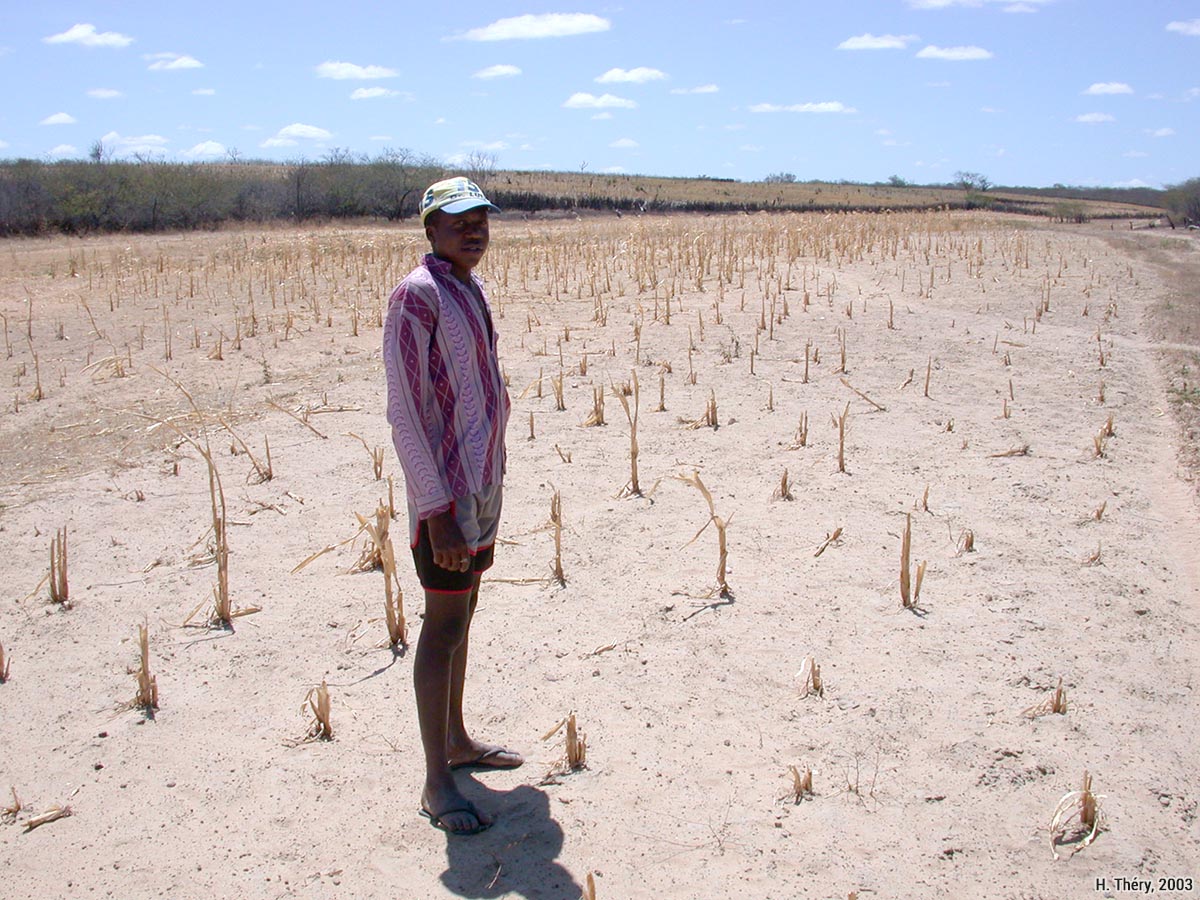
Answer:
(1026, 92)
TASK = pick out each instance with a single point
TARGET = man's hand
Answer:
(450, 550)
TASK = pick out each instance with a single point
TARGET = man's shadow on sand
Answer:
(517, 855)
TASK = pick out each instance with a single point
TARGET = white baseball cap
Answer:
(454, 195)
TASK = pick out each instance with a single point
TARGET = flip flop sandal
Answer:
(436, 820)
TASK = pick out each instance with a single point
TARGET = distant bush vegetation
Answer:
(80, 197)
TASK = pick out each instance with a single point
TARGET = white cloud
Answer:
(640, 75)
(1161, 132)
(497, 71)
(1135, 154)
(349, 71)
(583, 100)
(834, 106)
(373, 93)
(61, 118)
(3, 145)
(1132, 183)
(307, 132)
(291, 135)
(63, 150)
(1191, 27)
(144, 144)
(1026, 6)
(171, 62)
(1191, 94)
(624, 144)
(204, 92)
(954, 54)
(487, 147)
(547, 25)
(88, 36)
(701, 89)
(870, 41)
(1094, 118)
(206, 150)
(1109, 87)
(104, 94)
(602, 117)
(750, 148)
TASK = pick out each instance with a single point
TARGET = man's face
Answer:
(459, 239)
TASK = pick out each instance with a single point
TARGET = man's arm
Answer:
(408, 331)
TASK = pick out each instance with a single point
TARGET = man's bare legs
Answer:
(437, 677)
(461, 748)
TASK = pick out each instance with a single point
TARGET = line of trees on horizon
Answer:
(147, 195)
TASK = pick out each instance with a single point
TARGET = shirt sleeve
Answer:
(408, 331)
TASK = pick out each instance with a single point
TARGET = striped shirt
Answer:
(447, 403)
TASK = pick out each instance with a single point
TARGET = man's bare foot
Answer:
(447, 809)
(484, 756)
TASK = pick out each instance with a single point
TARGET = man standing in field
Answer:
(448, 407)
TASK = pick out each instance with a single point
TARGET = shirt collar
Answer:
(439, 266)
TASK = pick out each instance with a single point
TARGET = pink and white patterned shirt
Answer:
(447, 403)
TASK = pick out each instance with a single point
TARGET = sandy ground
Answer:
(928, 778)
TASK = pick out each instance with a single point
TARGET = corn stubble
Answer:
(223, 612)
(1055, 704)
(575, 748)
(317, 702)
(556, 525)
(809, 677)
(60, 589)
(9, 813)
(802, 785)
(910, 585)
(1077, 819)
(379, 553)
(721, 525)
(632, 488)
(147, 691)
(53, 814)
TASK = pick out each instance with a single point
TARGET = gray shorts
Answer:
(478, 518)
